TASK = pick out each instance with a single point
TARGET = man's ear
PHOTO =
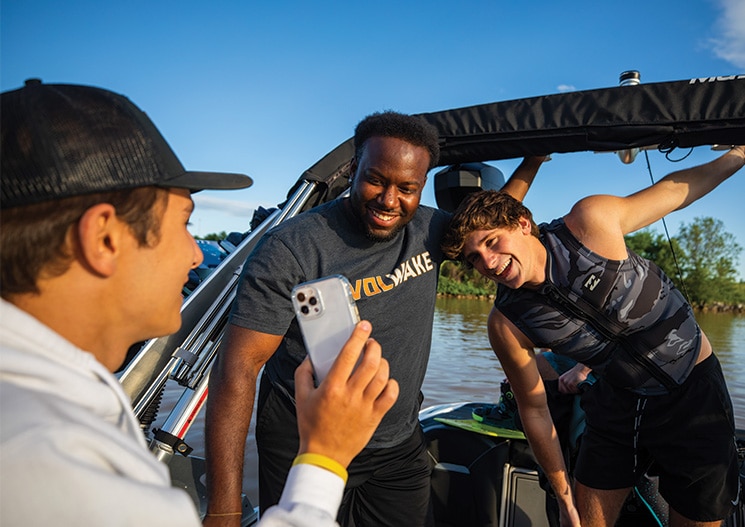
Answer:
(525, 226)
(100, 236)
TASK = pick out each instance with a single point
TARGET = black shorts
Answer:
(688, 435)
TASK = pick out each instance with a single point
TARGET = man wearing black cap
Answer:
(95, 252)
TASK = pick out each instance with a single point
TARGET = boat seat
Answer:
(468, 476)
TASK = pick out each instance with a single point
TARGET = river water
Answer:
(462, 367)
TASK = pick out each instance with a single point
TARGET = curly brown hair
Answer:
(479, 211)
(33, 238)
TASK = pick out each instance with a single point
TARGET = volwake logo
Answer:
(411, 268)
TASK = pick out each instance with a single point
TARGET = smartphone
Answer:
(327, 314)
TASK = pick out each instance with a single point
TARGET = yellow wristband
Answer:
(322, 461)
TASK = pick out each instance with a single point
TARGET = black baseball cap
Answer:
(62, 140)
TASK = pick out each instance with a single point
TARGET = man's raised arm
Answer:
(679, 189)
(601, 221)
(522, 178)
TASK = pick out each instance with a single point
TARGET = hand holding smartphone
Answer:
(327, 314)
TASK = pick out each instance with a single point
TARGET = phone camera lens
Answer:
(301, 297)
(312, 301)
(305, 310)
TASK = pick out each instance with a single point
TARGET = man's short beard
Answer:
(365, 228)
(370, 235)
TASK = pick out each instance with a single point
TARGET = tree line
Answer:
(701, 260)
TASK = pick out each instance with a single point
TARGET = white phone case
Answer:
(327, 314)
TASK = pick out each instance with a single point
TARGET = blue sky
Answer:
(267, 88)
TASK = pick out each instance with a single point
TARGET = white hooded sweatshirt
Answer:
(72, 452)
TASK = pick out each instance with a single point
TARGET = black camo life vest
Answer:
(624, 319)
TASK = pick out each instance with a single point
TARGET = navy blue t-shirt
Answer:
(394, 283)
